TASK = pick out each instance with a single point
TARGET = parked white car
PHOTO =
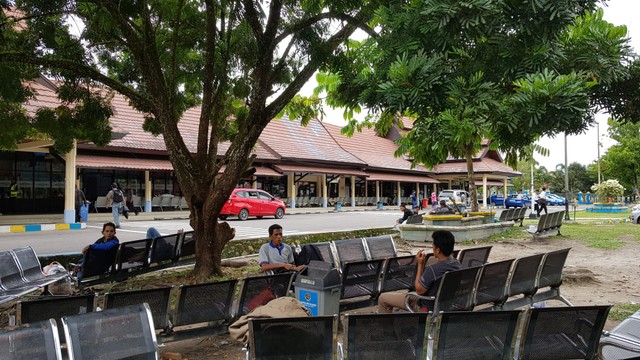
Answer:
(455, 195)
(635, 215)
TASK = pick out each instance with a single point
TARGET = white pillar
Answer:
(254, 182)
(147, 192)
(291, 189)
(325, 199)
(70, 185)
(484, 191)
(377, 192)
(353, 191)
(398, 196)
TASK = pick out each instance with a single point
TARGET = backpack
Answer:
(117, 196)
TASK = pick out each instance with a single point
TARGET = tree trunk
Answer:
(468, 155)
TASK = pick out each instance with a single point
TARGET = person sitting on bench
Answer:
(275, 255)
(99, 248)
(427, 277)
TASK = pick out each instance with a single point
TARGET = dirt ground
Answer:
(592, 276)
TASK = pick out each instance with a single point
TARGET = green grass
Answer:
(622, 311)
(601, 234)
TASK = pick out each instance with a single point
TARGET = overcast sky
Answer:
(581, 148)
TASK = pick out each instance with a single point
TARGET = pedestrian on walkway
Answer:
(115, 200)
(80, 200)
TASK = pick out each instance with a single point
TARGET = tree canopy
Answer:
(508, 71)
(238, 59)
(622, 160)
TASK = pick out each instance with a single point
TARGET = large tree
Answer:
(234, 59)
(505, 70)
(622, 160)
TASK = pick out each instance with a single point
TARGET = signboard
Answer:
(309, 300)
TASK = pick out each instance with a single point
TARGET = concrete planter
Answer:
(607, 208)
(462, 231)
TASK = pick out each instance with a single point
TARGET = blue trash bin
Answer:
(84, 211)
(380, 205)
(338, 206)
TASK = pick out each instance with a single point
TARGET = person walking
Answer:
(414, 199)
(542, 201)
(115, 200)
(80, 200)
(128, 194)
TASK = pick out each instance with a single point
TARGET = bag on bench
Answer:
(62, 286)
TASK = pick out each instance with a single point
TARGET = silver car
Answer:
(635, 215)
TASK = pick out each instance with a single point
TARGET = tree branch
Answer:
(323, 16)
(138, 99)
(253, 20)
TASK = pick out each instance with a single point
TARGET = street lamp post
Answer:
(566, 181)
(598, 132)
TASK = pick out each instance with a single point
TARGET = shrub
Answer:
(608, 189)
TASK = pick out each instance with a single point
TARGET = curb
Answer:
(40, 227)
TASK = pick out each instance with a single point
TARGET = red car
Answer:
(252, 202)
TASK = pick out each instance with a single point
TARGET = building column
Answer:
(449, 182)
(147, 192)
(353, 191)
(484, 191)
(398, 195)
(417, 195)
(70, 185)
(254, 182)
(505, 190)
(291, 190)
(377, 192)
(325, 200)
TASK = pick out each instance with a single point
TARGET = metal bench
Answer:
(208, 304)
(623, 341)
(548, 224)
(475, 256)
(523, 282)
(292, 338)
(380, 247)
(563, 333)
(101, 203)
(385, 336)
(33, 311)
(12, 284)
(475, 335)
(31, 270)
(157, 301)
(122, 333)
(37, 341)
(492, 285)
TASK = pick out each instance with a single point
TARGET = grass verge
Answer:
(622, 311)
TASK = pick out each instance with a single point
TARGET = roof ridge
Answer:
(338, 143)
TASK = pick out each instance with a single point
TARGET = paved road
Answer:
(59, 242)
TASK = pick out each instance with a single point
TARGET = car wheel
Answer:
(222, 217)
(279, 213)
(243, 214)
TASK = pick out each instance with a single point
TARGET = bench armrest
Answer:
(407, 298)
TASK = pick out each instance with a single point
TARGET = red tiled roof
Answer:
(482, 166)
(318, 170)
(376, 151)
(373, 176)
(112, 162)
(291, 140)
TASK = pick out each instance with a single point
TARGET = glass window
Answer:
(264, 196)
(253, 194)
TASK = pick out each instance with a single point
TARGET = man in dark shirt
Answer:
(406, 213)
(427, 277)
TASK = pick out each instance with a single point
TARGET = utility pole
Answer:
(598, 132)
(566, 180)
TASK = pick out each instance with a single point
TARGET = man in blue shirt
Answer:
(275, 255)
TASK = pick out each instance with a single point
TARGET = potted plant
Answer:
(609, 189)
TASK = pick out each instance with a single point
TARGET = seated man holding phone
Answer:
(275, 255)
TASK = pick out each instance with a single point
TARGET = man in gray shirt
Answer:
(275, 255)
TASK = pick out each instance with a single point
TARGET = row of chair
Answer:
(370, 266)
(548, 224)
(502, 285)
(157, 202)
(121, 333)
(136, 257)
(206, 307)
(513, 214)
(537, 333)
(21, 273)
